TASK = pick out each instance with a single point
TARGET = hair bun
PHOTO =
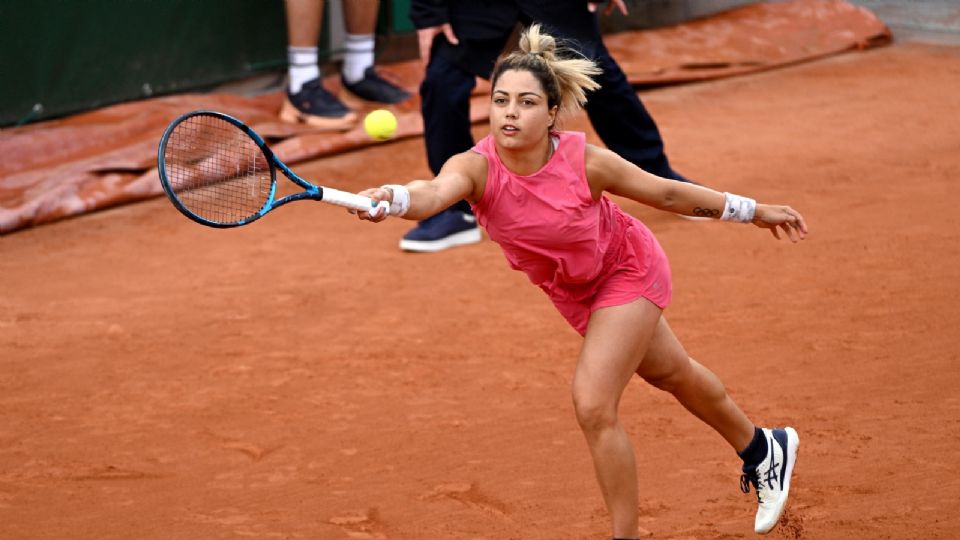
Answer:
(566, 75)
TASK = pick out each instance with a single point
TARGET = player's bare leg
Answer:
(769, 454)
(616, 339)
(667, 366)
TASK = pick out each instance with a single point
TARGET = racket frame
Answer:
(311, 191)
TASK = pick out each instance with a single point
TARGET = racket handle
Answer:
(354, 201)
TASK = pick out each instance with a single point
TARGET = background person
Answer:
(307, 101)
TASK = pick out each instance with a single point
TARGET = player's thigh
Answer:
(665, 358)
(615, 341)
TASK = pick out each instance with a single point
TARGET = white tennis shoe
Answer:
(771, 477)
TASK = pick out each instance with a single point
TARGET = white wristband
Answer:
(401, 199)
(737, 208)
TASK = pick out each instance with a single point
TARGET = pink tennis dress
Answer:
(584, 253)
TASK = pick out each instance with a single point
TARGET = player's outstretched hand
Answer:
(774, 217)
(377, 194)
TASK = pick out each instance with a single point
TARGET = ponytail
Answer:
(565, 75)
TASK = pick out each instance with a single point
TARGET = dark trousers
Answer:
(616, 113)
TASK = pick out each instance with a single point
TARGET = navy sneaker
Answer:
(315, 106)
(445, 230)
(373, 87)
(771, 477)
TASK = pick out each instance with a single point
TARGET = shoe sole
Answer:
(290, 114)
(793, 446)
(462, 238)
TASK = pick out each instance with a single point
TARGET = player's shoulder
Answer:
(599, 159)
(470, 156)
(603, 167)
(592, 151)
(469, 162)
(469, 167)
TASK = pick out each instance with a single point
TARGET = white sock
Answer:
(302, 66)
(359, 56)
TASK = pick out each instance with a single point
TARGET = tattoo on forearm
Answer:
(705, 212)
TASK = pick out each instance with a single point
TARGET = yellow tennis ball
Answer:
(380, 124)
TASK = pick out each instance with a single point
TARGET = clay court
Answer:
(303, 378)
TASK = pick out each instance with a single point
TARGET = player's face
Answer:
(519, 115)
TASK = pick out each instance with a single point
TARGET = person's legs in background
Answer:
(358, 74)
(307, 100)
(445, 105)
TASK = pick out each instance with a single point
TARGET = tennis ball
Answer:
(380, 124)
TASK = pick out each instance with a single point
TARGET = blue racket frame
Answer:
(311, 191)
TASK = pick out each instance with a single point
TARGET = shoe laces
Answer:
(752, 477)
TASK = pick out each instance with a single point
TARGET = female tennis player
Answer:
(538, 193)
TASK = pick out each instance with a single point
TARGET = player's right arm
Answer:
(462, 177)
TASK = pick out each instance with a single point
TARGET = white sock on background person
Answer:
(302, 66)
(358, 56)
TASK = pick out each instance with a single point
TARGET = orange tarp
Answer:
(107, 157)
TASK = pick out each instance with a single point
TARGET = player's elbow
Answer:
(666, 197)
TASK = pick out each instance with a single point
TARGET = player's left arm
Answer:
(607, 171)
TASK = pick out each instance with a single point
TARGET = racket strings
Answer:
(216, 170)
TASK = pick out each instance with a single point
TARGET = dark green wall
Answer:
(65, 56)
(72, 55)
(396, 16)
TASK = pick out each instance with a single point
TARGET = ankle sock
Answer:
(302, 66)
(756, 450)
(358, 56)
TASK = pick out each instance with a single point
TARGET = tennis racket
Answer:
(220, 173)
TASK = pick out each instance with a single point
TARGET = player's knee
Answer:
(594, 414)
(671, 379)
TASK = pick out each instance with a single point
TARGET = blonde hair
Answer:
(566, 76)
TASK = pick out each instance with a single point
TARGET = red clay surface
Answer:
(302, 378)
